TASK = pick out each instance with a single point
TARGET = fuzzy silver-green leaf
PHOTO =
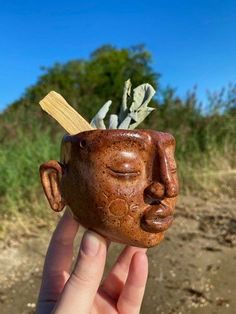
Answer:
(98, 120)
(140, 116)
(113, 121)
(142, 96)
(124, 106)
(125, 123)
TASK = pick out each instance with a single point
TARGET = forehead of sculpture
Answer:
(162, 138)
(104, 139)
(110, 141)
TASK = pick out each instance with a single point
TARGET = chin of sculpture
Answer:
(120, 183)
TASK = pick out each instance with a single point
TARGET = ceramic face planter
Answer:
(120, 183)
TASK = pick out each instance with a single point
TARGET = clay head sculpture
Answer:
(120, 183)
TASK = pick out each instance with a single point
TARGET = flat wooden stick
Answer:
(57, 107)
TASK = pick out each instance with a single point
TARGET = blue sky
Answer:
(192, 42)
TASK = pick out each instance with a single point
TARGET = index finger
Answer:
(59, 258)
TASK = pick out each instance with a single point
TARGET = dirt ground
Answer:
(191, 271)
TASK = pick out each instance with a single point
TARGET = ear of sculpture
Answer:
(51, 173)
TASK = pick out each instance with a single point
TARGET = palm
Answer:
(121, 291)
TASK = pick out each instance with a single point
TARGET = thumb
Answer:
(81, 288)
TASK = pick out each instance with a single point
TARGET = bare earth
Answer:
(192, 271)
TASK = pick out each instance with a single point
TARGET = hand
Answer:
(80, 292)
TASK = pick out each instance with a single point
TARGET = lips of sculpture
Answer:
(157, 218)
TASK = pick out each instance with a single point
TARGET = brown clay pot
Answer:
(121, 183)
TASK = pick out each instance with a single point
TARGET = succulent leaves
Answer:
(129, 118)
(98, 119)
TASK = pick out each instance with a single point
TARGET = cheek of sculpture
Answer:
(108, 199)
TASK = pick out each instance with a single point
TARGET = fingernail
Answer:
(90, 243)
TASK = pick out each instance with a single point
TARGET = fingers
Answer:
(81, 288)
(131, 296)
(115, 280)
(59, 258)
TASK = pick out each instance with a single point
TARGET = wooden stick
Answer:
(57, 107)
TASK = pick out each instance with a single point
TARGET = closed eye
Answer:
(123, 173)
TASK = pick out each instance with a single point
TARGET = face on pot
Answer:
(120, 183)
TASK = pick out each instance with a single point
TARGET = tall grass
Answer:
(204, 150)
(19, 164)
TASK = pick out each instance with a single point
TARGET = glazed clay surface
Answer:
(121, 183)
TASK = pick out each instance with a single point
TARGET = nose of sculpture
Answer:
(155, 192)
(171, 189)
(158, 191)
(164, 179)
(168, 180)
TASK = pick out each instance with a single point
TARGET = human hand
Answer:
(81, 291)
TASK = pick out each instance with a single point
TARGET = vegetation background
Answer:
(206, 136)
(193, 270)
(203, 236)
